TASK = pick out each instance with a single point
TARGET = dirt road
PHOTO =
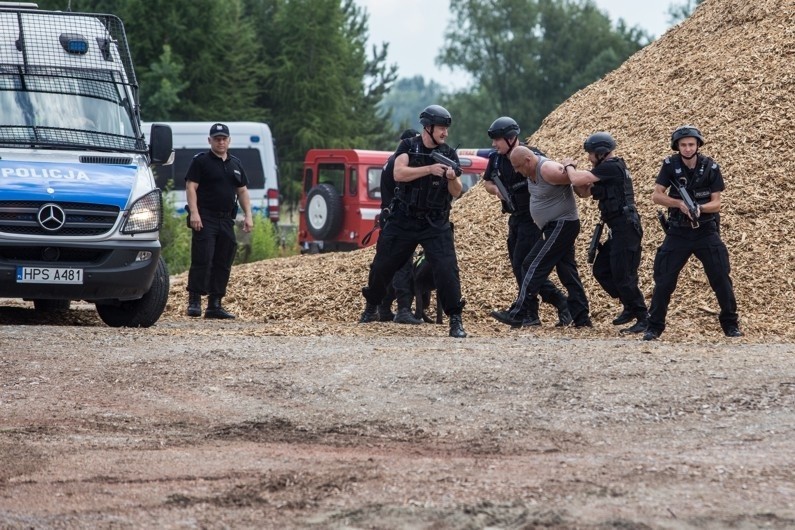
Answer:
(215, 425)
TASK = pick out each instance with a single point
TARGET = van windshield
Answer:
(65, 108)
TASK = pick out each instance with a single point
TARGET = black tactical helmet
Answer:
(435, 115)
(504, 127)
(600, 143)
(685, 131)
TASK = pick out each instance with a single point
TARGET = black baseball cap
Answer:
(219, 129)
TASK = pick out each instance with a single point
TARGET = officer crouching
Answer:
(421, 216)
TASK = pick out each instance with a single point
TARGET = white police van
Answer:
(252, 143)
(80, 213)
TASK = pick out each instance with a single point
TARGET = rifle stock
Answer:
(504, 192)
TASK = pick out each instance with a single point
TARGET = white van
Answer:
(252, 143)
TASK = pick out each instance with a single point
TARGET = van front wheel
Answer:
(143, 312)
(324, 212)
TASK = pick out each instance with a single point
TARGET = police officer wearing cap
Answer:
(214, 185)
(425, 190)
(691, 234)
(616, 264)
(523, 232)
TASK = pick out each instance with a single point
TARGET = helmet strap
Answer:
(511, 144)
(689, 157)
(430, 133)
(600, 158)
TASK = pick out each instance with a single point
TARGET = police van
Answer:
(79, 210)
(252, 143)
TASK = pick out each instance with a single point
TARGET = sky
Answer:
(415, 29)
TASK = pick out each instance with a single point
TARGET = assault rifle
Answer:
(692, 207)
(439, 158)
(511, 207)
(594, 246)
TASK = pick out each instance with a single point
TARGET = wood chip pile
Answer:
(728, 70)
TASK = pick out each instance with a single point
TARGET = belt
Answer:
(216, 213)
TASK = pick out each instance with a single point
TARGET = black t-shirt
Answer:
(514, 182)
(608, 172)
(217, 179)
(702, 181)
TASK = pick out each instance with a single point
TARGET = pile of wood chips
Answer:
(728, 70)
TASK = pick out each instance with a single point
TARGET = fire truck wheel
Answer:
(323, 212)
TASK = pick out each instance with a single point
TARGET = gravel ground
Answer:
(194, 424)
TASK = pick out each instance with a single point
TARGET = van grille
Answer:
(50, 255)
(114, 160)
(21, 217)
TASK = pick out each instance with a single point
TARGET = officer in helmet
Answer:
(616, 264)
(523, 232)
(691, 234)
(401, 287)
(424, 194)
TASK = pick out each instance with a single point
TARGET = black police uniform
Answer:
(213, 247)
(421, 217)
(400, 287)
(682, 240)
(523, 233)
(616, 264)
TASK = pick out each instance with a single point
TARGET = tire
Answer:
(52, 306)
(323, 212)
(143, 312)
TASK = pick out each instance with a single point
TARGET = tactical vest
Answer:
(616, 197)
(426, 194)
(697, 185)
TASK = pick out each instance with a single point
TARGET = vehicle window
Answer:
(374, 182)
(333, 174)
(250, 158)
(353, 184)
(308, 180)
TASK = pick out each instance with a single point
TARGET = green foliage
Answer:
(528, 56)
(175, 237)
(165, 75)
(264, 239)
(406, 100)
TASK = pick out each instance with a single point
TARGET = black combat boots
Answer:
(370, 313)
(405, 316)
(457, 327)
(214, 309)
(194, 304)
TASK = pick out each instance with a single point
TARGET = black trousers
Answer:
(555, 250)
(616, 266)
(212, 253)
(706, 245)
(396, 245)
(523, 234)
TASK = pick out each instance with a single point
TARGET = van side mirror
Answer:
(161, 145)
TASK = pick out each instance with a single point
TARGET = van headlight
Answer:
(145, 215)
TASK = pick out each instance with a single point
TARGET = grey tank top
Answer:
(550, 202)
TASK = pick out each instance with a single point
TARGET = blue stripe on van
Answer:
(53, 181)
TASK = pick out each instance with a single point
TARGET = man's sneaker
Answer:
(505, 318)
(457, 327)
(404, 316)
(651, 334)
(370, 313)
(564, 316)
(531, 321)
(638, 327)
(584, 324)
(625, 316)
(733, 331)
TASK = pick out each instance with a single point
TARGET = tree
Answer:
(528, 56)
(678, 12)
(407, 98)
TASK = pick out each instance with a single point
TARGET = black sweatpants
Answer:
(555, 250)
